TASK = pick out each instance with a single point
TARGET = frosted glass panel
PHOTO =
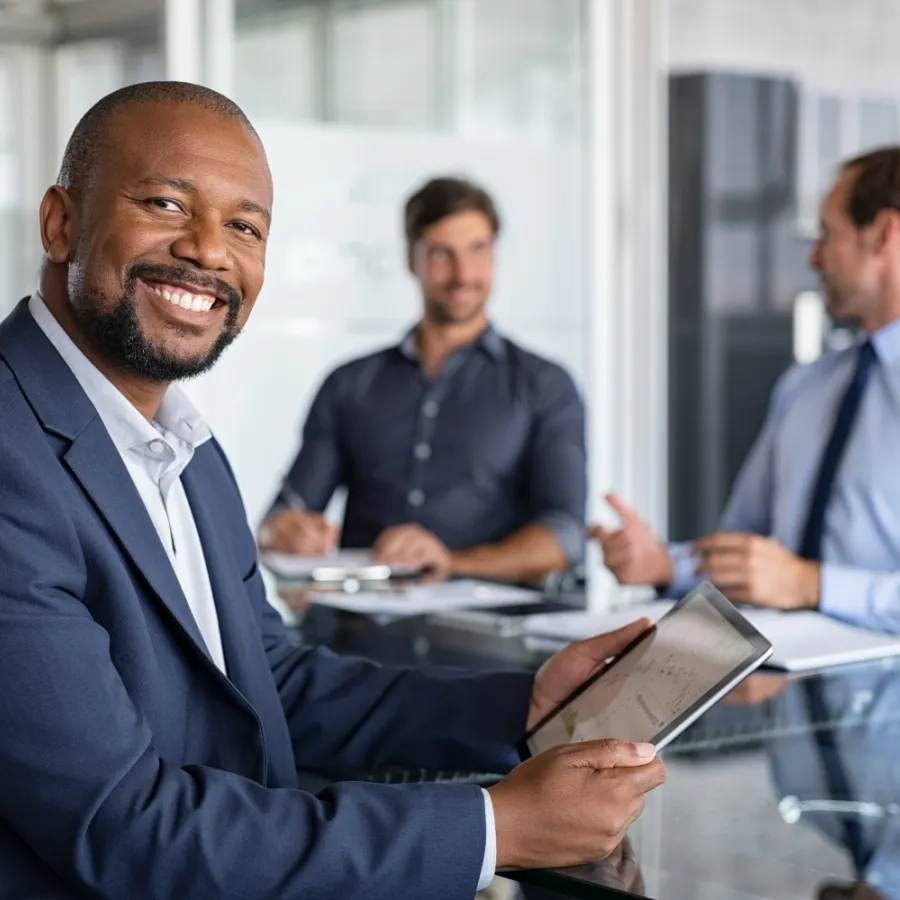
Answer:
(359, 103)
(877, 123)
(526, 76)
(383, 65)
(289, 84)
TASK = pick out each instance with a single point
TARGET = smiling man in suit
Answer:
(153, 713)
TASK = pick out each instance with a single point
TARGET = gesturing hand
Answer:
(633, 553)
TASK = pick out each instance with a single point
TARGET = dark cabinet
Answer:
(736, 263)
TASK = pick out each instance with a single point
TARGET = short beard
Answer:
(117, 334)
(441, 314)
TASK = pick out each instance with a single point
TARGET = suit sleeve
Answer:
(438, 718)
(84, 787)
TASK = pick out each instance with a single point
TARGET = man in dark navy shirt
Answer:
(461, 451)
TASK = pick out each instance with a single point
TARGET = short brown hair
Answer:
(876, 186)
(442, 197)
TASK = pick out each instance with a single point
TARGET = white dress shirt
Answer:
(155, 454)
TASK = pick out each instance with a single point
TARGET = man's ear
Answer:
(58, 224)
(891, 229)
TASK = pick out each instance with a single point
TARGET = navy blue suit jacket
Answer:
(130, 766)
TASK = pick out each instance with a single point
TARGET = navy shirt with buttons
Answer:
(493, 443)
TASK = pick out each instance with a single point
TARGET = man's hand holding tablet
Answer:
(574, 803)
(594, 727)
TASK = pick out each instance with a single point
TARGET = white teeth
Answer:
(185, 300)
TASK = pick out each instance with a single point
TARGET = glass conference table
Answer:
(789, 789)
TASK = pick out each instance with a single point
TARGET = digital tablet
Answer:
(661, 682)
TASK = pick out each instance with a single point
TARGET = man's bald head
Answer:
(155, 235)
(85, 146)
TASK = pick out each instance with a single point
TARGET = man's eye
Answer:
(164, 203)
(244, 228)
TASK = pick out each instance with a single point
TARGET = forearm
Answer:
(861, 597)
(528, 555)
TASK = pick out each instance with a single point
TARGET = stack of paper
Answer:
(801, 640)
(419, 600)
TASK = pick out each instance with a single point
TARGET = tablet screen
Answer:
(693, 654)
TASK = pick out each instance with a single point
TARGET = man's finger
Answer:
(616, 555)
(624, 512)
(403, 547)
(730, 575)
(721, 541)
(598, 533)
(723, 557)
(610, 754)
(603, 646)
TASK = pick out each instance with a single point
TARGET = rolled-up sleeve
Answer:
(557, 481)
(318, 469)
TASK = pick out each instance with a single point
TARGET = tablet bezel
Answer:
(762, 650)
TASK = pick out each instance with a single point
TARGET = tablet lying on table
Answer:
(664, 680)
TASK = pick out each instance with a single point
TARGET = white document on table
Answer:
(341, 563)
(808, 640)
(802, 640)
(422, 599)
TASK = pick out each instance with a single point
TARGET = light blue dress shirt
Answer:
(771, 496)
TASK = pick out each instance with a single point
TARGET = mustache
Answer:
(201, 282)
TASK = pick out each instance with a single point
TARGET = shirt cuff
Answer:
(684, 565)
(489, 864)
(568, 531)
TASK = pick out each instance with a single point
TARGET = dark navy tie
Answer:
(811, 548)
(811, 542)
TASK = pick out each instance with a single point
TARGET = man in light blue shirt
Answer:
(814, 517)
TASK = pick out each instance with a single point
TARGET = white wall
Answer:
(838, 46)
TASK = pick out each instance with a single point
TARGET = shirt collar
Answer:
(886, 342)
(126, 426)
(489, 341)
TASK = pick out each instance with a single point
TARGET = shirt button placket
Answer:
(422, 450)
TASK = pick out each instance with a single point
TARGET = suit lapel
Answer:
(63, 408)
(236, 620)
(96, 464)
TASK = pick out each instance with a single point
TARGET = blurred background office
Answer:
(658, 164)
